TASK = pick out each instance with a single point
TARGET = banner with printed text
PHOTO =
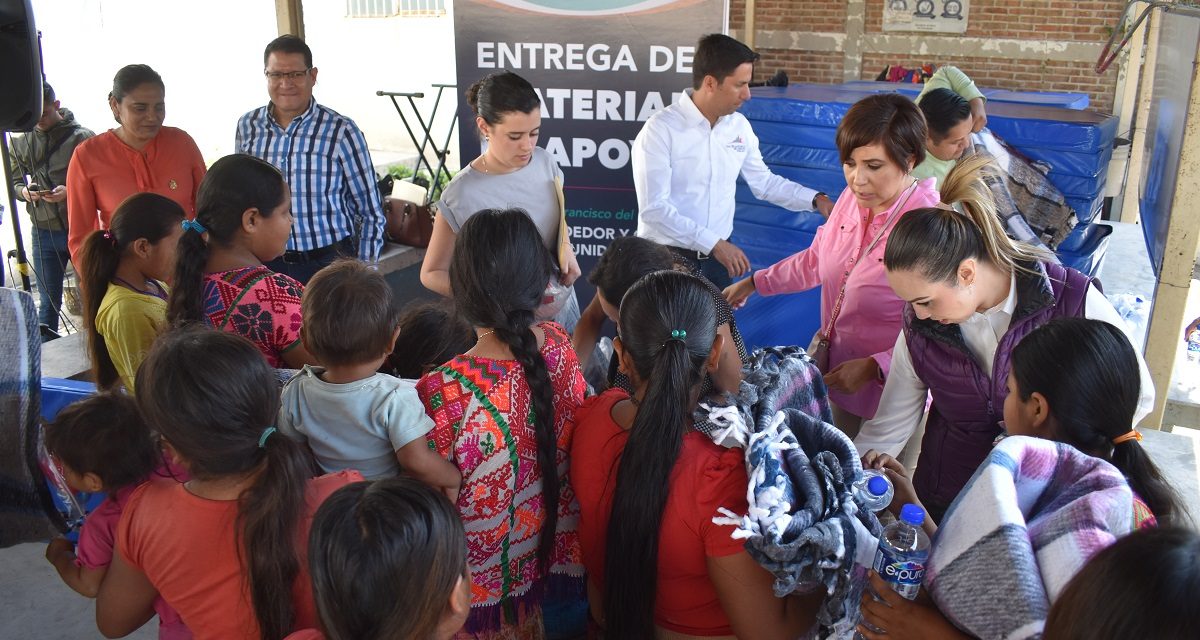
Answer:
(601, 68)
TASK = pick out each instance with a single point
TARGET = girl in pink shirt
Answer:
(880, 140)
(101, 443)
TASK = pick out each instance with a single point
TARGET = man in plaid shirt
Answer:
(323, 156)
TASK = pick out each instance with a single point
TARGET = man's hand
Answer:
(30, 196)
(852, 375)
(729, 255)
(57, 194)
(978, 115)
(824, 205)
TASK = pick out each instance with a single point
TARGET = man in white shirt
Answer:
(687, 158)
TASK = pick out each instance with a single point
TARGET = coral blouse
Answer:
(104, 171)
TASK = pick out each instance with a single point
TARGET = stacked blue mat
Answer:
(796, 127)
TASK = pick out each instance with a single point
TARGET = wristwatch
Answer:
(819, 194)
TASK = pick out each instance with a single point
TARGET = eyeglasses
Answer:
(279, 76)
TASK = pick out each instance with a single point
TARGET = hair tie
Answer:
(194, 225)
(262, 440)
(108, 235)
(945, 207)
(677, 334)
(1132, 434)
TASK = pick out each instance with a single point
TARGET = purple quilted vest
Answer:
(968, 406)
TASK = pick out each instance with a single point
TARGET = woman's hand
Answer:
(572, 272)
(898, 618)
(901, 482)
(1190, 328)
(852, 375)
(737, 293)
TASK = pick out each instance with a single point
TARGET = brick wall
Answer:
(1063, 20)
(1018, 75)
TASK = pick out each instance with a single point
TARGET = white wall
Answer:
(209, 53)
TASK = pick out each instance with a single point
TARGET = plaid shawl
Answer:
(1032, 209)
(1034, 512)
(803, 524)
(24, 499)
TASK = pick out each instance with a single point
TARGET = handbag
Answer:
(408, 222)
(818, 347)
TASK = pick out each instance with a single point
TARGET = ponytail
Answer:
(1088, 373)
(498, 273)
(1148, 483)
(142, 215)
(98, 264)
(233, 185)
(268, 513)
(213, 396)
(671, 366)
(935, 240)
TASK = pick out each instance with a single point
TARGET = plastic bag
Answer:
(554, 298)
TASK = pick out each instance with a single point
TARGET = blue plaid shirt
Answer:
(324, 157)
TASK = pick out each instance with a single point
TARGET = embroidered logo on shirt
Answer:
(173, 185)
(738, 144)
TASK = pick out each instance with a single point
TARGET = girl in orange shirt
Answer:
(138, 156)
(227, 549)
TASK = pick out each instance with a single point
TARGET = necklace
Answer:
(483, 164)
(157, 291)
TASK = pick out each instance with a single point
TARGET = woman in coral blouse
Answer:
(880, 140)
(138, 156)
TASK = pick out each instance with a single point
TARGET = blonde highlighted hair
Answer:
(934, 241)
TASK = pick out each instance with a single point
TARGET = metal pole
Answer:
(23, 267)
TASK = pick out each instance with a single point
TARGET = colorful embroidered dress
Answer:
(483, 420)
(257, 304)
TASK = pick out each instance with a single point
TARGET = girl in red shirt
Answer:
(649, 486)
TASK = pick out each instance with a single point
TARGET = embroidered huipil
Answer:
(483, 423)
(870, 317)
(324, 158)
(685, 171)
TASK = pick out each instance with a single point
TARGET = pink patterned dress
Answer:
(257, 304)
(483, 424)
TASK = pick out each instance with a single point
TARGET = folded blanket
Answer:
(803, 524)
(1032, 209)
(25, 511)
(1034, 512)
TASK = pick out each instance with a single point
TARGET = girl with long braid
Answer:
(501, 412)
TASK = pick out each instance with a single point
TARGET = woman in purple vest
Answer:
(972, 293)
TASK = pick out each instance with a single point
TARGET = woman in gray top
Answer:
(511, 173)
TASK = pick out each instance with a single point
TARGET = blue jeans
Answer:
(50, 259)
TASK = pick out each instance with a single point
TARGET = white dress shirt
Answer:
(904, 394)
(685, 172)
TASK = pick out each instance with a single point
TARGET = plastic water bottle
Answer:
(874, 491)
(901, 556)
(1193, 346)
(903, 552)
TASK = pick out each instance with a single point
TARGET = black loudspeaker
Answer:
(21, 69)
